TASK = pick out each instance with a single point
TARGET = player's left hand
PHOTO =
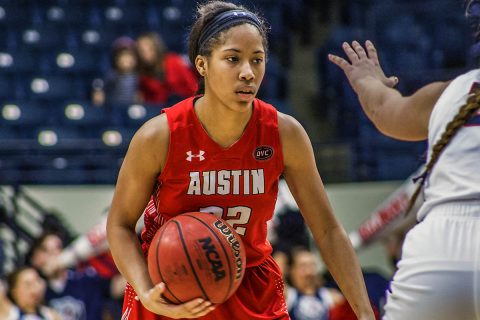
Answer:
(363, 63)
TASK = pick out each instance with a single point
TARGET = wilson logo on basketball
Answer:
(213, 258)
(225, 230)
(263, 153)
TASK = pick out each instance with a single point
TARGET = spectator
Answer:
(163, 74)
(74, 294)
(8, 311)
(307, 299)
(121, 85)
(27, 291)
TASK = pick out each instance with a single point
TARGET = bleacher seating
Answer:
(52, 50)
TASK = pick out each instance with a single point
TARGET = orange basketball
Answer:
(197, 255)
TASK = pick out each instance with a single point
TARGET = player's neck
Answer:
(225, 126)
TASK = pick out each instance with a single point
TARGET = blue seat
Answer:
(129, 14)
(23, 115)
(17, 61)
(116, 136)
(133, 116)
(81, 61)
(84, 116)
(45, 37)
(95, 38)
(8, 39)
(15, 14)
(5, 88)
(396, 166)
(51, 88)
(54, 136)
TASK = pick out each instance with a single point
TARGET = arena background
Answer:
(63, 153)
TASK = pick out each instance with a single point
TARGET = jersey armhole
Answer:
(167, 158)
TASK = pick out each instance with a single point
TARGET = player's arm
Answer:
(143, 162)
(307, 188)
(395, 115)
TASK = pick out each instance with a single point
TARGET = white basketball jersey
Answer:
(456, 175)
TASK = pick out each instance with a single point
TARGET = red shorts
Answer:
(260, 296)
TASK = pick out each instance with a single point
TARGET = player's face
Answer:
(29, 289)
(235, 69)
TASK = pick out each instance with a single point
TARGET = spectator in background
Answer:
(121, 85)
(307, 299)
(163, 74)
(74, 294)
(27, 291)
(8, 311)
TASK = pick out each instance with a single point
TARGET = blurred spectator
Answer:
(287, 228)
(74, 294)
(307, 299)
(121, 85)
(8, 311)
(27, 291)
(163, 74)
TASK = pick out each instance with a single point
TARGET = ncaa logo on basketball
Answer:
(263, 153)
(213, 258)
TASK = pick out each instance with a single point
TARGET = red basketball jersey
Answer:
(238, 183)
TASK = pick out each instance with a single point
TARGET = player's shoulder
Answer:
(288, 125)
(153, 131)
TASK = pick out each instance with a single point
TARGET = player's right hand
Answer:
(153, 301)
(361, 63)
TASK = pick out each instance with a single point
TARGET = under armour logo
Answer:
(200, 156)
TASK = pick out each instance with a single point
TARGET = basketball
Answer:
(197, 255)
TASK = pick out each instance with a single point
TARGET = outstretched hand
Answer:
(153, 301)
(363, 63)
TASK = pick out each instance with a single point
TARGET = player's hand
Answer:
(362, 64)
(153, 301)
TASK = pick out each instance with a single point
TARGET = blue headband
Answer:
(224, 21)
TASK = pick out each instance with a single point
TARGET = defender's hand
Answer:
(362, 64)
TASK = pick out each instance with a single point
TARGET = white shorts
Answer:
(438, 276)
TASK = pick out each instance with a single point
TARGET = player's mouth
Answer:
(246, 93)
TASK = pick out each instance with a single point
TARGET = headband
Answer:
(224, 21)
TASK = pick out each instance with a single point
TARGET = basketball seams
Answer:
(157, 262)
(190, 260)
(230, 277)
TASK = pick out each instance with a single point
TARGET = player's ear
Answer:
(201, 65)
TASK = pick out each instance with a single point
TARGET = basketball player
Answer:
(223, 152)
(436, 276)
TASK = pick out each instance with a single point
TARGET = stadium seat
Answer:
(45, 37)
(23, 115)
(14, 14)
(51, 88)
(134, 115)
(59, 136)
(116, 137)
(8, 40)
(18, 62)
(5, 87)
(96, 38)
(129, 14)
(78, 62)
(85, 117)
